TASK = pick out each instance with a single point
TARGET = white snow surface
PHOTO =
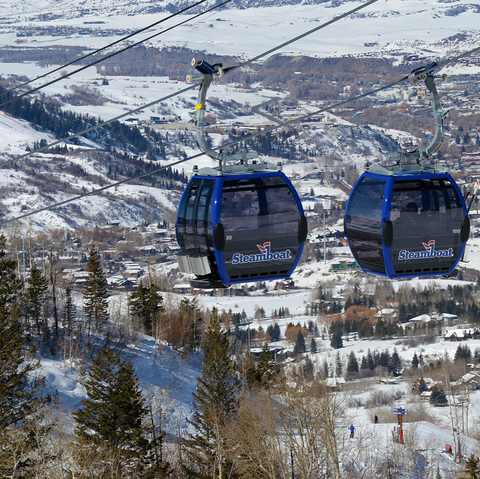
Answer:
(240, 31)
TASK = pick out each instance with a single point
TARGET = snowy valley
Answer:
(398, 331)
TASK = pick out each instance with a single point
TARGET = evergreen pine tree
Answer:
(10, 284)
(402, 313)
(20, 401)
(422, 386)
(364, 364)
(266, 368)
(395, 360)
(415, 361)
(192, 318)
(313, 346)
(146, 303)
(371, 361)
(35, 296)
(300, 346)
(352, 365)
(325, 368)
(276, 332)
(269, 332)
(252, 378)
(308, 369)
(337, 340)
(472, 468)
(214, 403)
(463, 354)
(95, 293)
(438, 397)
(111, 417)
(420, 358)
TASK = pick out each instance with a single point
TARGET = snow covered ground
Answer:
(409, 25)
(175, 378)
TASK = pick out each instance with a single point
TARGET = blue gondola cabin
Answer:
(238, 228)
(407, 224)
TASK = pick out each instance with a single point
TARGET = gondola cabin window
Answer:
(364, 223)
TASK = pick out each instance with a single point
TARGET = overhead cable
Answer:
(102, 59)
(336, 19)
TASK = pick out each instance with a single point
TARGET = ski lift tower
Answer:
(398, 436)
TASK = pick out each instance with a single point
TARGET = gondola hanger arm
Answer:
(416, 160)
(241, 158)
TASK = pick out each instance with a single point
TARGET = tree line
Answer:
(119, 429)
(264, 422)
(51, 117)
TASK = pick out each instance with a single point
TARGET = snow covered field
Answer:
(239, 31)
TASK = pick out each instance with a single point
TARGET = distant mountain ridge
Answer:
(47, 10)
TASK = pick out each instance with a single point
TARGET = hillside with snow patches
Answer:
(129, 203)
(243, 29)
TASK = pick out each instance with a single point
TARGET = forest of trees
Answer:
(250, 418)
(49, 116)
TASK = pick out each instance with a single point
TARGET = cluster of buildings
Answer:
(67, 31)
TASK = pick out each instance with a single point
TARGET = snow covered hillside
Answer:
(426, 427)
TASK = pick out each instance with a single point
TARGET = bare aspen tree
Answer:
(299, 433)
(304, 429)
(332, 405)
(160, 410)
(256, 440)
(464, 389)
(53, 275)
(158, 321)
(447, 372)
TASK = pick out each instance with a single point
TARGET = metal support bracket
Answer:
(240, 158)
(416, 160)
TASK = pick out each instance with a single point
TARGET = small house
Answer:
(471, 380)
